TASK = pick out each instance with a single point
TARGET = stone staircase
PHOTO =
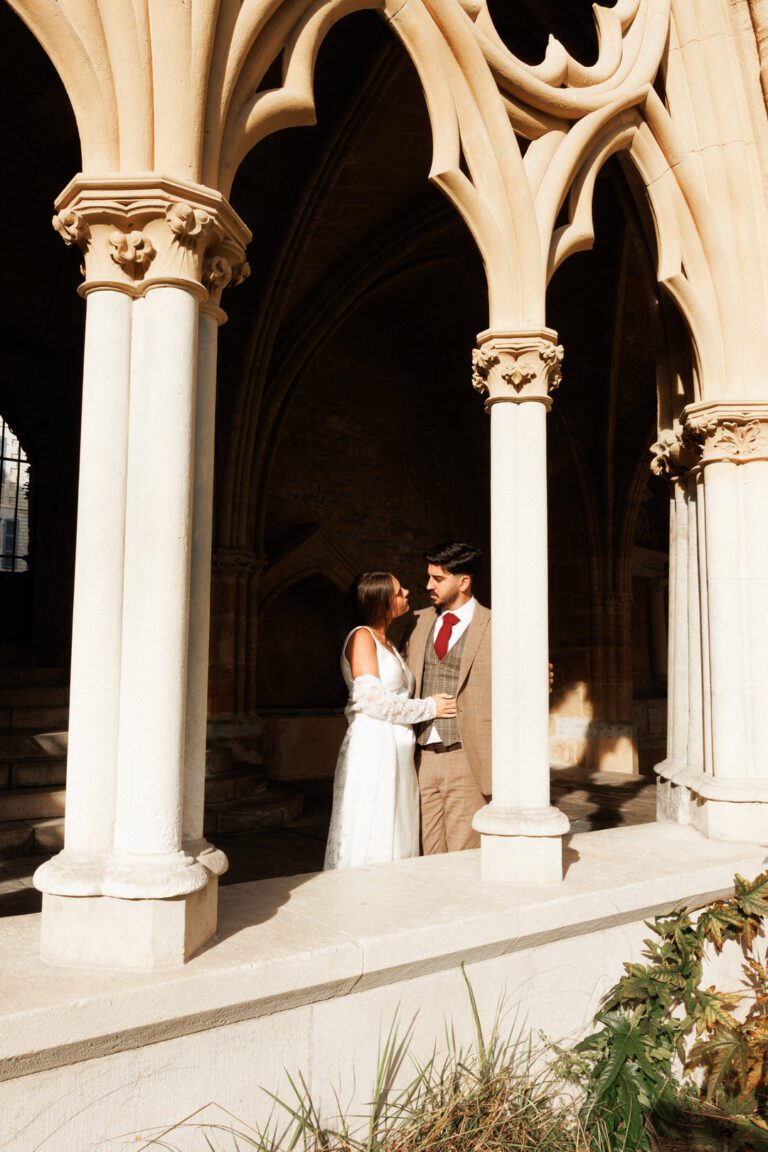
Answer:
(239, 796)
(33, 754)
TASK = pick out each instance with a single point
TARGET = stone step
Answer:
(236, 783)
(14, 675)
(48, 836)
(268, 810)
(34, 695)
(32, 744)
(50, 772)
(31, 803)
(22, 838)
(17, 838)
(221, 754)
(40, 717)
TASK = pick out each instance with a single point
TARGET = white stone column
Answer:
(98, 599)
(671, 459)
(194, 842)
(701, 540)
(730, 795)
(148, 861)
(695, 732)
(521, 832)
(167, 247)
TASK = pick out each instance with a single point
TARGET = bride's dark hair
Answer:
(370, 597)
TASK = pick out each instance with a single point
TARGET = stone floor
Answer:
(591, 800)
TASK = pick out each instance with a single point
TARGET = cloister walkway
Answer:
(591, 800)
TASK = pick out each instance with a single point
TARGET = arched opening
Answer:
(609, 516)
(41, 379)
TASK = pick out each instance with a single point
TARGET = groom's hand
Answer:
(551, 677)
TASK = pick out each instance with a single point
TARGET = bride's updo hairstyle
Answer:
(371, 598)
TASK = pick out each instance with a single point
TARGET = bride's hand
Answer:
(445, 704)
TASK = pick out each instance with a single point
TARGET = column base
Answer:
(673, 802)
(529, 860)
(72, 874)
(729, 820)
(521, 846)
(717, 807)
(107, 932)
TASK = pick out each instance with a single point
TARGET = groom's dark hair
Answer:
(457, 557)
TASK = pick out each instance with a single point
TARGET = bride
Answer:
(375, 814)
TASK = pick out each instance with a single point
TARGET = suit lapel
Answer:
(475, 632)
(417, 647)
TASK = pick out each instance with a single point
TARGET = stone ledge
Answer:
(306, 939)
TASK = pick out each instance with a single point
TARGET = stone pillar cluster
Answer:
(521, 833)
(716, 772)
(157, 254)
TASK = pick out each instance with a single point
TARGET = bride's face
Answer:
(399, 604)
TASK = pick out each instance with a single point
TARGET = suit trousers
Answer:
(450, 796)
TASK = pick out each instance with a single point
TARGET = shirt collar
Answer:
(465, 612)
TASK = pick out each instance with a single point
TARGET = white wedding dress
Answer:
(375, 814)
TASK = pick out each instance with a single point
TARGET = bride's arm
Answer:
(361, 654)
(368, 695)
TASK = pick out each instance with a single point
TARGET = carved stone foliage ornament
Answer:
(133, 251)
(184, 220)
(72, 228)
(722, 431)
(517, 366)
(670, 456)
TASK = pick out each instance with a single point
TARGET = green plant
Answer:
(650, 1016)
(503, 1094)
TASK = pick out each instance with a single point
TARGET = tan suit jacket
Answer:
(473, 699)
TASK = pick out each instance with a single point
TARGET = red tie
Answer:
(444, 635)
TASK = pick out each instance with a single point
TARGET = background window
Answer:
(14, 502)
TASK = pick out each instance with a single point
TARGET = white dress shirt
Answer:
(464, 614)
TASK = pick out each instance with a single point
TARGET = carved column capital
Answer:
(670, 456)
(734, 432)
(517, 366)
(137, 232)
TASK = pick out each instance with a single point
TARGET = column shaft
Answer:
(678, 726)
(148, 830)
(196, 724)
(728, 638)
(98, 597)
(706, 687)
(695, 732)
(520, 606)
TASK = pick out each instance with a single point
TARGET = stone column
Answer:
(671, 459)
(521, 832)
(168, 247)
(98, 598)
(217, 275)
(732, 437)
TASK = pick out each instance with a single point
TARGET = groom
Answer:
(449, 650)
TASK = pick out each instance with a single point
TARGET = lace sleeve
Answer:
(369, 695)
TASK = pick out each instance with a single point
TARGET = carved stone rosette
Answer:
(139, 232)
(517, 366)
(725, 431)
(671, 456)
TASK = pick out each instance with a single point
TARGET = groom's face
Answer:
(446, 589)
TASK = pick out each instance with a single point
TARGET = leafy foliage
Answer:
(649, 1018)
